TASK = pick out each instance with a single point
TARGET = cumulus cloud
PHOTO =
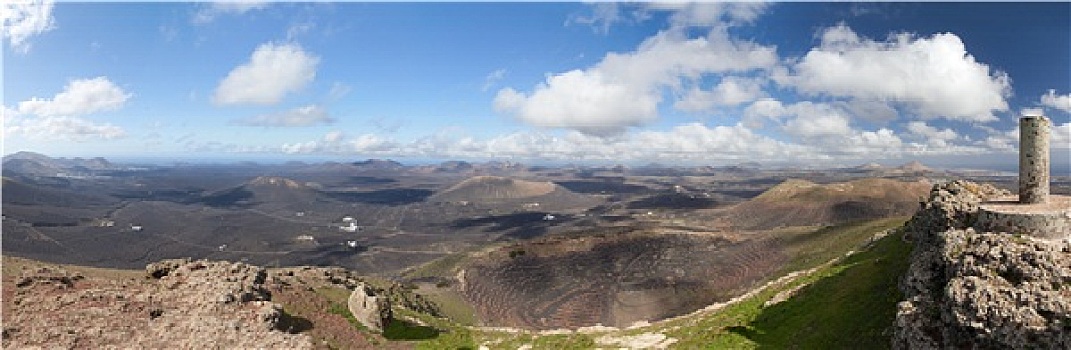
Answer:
(690, 142)
(62, 128)
(625, 89)
(604, 15)
(705, 14)
(25, 19)
(1060, 102)
(209, 12)
(1061, 136)
(581, 100)
(817, 120)
(933, 136)
(335, 142)
(273, 71)
(731, 91)
(302, 116)
(934, 76)
(80, 96)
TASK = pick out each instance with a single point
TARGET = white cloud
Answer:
(816, 120)
(334, 136)
(493, 78)
(302, 116)
(335, 142)
(338, 91)
(273, 71)
(933, 136)
(625, 89)
(62, 128)
(80, 96)
(25, 19)
(690, 143)
(211, 11)
(604, 15)
(872, 110)
(581, 100)
(762, 110)
(731, 91)
(706, 14)
(933, 76)
(1061, 102)
(1061, 136)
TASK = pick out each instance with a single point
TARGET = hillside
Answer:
(263, 189)
(244, 305)
(508, 191)
(801, 203)
(494, 188)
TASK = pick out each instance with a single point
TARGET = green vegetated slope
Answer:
(847, 304)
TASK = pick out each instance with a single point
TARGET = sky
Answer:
(632, 83)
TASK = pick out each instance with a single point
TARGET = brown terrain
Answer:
(802, 203)
(503, 244)
(621, 275)
(612, 278)
(179, 304)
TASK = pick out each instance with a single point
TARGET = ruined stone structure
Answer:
(373, 311)
(1034, 212)
(1034, 159)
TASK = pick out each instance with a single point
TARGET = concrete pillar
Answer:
(1034, 159)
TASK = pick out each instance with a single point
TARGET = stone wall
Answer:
(972, 289)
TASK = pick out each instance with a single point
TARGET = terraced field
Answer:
(613, 279)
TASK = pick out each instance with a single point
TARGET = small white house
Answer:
(352, 227)
(348, 219)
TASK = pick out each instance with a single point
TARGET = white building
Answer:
(352, 227)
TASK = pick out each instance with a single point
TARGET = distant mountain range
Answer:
(30, 163)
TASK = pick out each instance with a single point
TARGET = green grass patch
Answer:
(453, 306)
(441, 267)
(399, 329)
(849, 305)
(817, 247)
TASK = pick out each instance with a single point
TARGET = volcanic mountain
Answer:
(263, 189)
(378, 164)
(914, 167)
(495, 188)
(800, 203)
(30, 163)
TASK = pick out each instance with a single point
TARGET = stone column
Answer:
(1034, 159)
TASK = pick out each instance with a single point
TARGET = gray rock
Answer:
(968, 289)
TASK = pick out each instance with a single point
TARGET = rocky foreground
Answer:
(981, 290)
(186, 304)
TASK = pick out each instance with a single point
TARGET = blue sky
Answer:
(677, 83)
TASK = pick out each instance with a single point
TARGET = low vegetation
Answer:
(849, 303)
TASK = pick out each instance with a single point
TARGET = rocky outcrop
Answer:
(971, 289)
(179, 304)
(371, 310)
